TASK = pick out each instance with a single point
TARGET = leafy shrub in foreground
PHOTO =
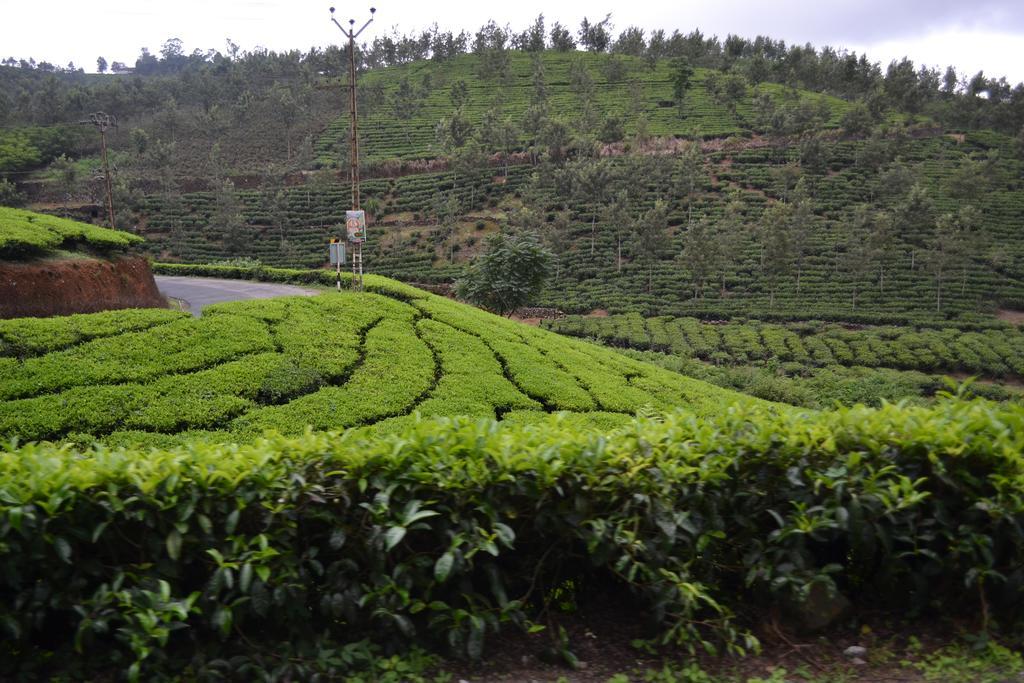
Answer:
(224, 558)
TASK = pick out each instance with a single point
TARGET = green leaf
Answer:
(475, 644)
(222, 620)
(232, 521)
(337, 539)
(15, 515)
(505, 534)
(443, 567)
(245, 578)
(393, 537)
(63, 549)
(173, 544)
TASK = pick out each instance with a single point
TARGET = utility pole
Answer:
(356, 237)
(105, 122)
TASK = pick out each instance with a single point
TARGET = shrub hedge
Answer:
(267, 561)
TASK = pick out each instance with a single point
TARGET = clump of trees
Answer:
(508, 275)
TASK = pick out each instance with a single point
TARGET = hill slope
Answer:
(335, 361)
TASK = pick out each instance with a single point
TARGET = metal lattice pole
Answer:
(353, 140)
(105, 122)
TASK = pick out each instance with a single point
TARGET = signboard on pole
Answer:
(337, 252)
(355, 225)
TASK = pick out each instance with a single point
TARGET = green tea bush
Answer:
(26, 233)
(270, 560)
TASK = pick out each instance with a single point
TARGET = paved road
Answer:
(198, 292)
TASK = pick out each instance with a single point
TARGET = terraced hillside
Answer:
(997, 351)
(331, 362)
(816, 364)
(866, 254)
(620, 86)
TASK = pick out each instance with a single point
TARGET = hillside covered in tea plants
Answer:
(334, 361)
(670, 174)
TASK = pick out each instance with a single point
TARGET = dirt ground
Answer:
(1011, 316)
(603, 642)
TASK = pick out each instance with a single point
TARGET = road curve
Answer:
(199, 292)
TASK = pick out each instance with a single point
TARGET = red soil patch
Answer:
(598, 313)
(79, 285)
(1011, 316)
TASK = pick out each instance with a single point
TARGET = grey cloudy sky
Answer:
(974, 35)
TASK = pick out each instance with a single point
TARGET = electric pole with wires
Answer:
(104, 122)
(355, 220)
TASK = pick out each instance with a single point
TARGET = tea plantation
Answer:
(623, 86)
(311, 488)
(26, 234)
(605, 261)
(335, 361)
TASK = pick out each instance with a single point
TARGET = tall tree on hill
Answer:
(405, 104)
(459, 94)
(286, 110)
(498, 134)
(691, 174)
(592, 184)
(535, 119)
(274, 202)
(786, 178)
(582, 84)
(101, 65)
(467, 162)
(727, 90)
(67, 178)
(857, 257)
(882, 241)
(777, 246)
(801, 227)
(617, 218)
(728, 234)
(561, 39)
(556, 136)
(968, 224)
(945, 250)
(699, 255)
(682, 72)
(650, 238)
(596, 37)
(508, 274)
(227, 217)
(912, 217)
(446, 210)
(656, 48)
(970, 180)
(534, 37)
(631, 42)
(559, 240)
(491, 45)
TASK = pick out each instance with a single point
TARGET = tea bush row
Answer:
(26, 233)
(267, 561)
(332, 361)
(996, 352)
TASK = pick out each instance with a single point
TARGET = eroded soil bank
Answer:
(79, 284)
